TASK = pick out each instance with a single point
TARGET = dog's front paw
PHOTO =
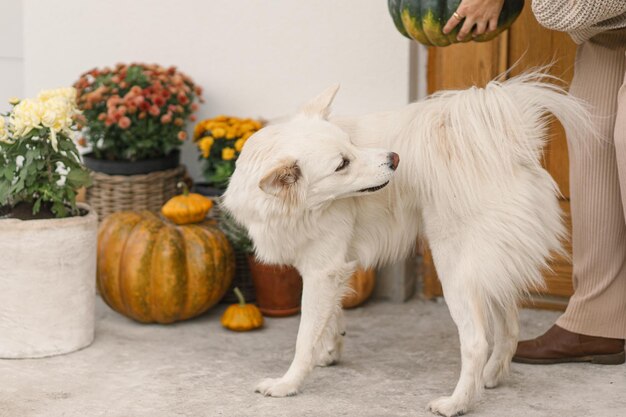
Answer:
(276, 387)
(447, 406)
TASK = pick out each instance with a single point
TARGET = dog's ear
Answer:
(320, 105)
(282, 180)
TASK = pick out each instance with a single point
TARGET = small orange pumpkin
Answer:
(187, 208)
(242, 317)
(361, 285)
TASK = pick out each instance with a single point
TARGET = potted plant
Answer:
(278, 288)
(220, 141)
(48, 241)
(135, 118)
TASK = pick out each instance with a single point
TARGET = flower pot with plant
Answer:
(48, 241)
(278, 288)
(135, 117)
(220, 141)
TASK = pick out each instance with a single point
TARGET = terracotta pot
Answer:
(278, 288)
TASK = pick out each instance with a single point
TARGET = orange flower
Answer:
(182, 135)
(166, 118)
(183, 99)
(124, 122)
(154, 111)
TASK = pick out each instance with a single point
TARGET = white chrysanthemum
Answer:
(62, 169)
(67, 93)
(53, 109)
(26, 116)
(4, 134)
(19, 162)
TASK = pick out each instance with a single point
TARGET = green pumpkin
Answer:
(423, 20)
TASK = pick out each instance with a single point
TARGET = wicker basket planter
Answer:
(132, 185)
(111, 193)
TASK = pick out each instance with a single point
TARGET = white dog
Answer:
(325, 195)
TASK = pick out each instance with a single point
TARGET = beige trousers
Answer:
(598, 193)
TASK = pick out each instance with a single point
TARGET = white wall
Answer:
(11, 58)
(252, 57)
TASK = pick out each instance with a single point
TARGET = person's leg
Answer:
(595, 320)
(598, 306)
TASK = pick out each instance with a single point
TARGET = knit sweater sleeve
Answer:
(573, 15)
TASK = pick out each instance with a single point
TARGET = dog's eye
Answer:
(344, 164)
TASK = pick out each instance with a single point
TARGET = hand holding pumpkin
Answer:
(483, 14)
(436, 22)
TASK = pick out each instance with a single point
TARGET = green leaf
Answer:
(4, 192)
(79, 177)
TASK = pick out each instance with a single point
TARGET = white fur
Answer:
(470, 181)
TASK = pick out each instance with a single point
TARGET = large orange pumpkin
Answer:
(361, 287)
(152, 270)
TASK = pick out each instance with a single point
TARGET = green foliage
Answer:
(236, 233)
(218, 172)
(32, 171)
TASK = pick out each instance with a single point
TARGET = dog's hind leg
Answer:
(320, 299)
(469, 312)
(506, 332)
(328, 349)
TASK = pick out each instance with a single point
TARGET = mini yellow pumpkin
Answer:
(242, 317)
(187, 208)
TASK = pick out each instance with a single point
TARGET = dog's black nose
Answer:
(394, 160)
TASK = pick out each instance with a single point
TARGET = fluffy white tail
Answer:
(479, 146)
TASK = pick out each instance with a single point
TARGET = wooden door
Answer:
(524, 46)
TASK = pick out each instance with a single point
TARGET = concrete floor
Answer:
(396, 359)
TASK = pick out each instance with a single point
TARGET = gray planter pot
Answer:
(47, 285)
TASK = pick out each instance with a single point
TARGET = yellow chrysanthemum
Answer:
(247, 126)
(221, 118)
(205, 145)
(239, 144)
(198, 130)
(228, 154)
(231, 133)
(218, 132)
